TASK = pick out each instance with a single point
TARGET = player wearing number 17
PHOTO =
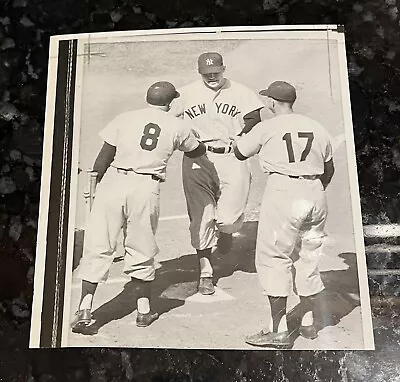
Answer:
(130, 167)
(296, 152)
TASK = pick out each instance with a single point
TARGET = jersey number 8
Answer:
(150, 136)
(289, 146)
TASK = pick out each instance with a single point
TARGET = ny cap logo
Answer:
(210, 62)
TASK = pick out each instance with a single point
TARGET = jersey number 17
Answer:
(289, 145)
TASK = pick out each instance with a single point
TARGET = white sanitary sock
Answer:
(143, 305)
(308, 319)
(87, 302)
(282, 327)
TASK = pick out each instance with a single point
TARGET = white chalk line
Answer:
(117, 280)
(124, 280)
(173, 217)
(163, 218)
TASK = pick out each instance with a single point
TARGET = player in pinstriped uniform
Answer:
(217, 185)
(130, 167)
(296, 152)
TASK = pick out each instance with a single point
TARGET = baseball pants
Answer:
(216, 188)
(290, 234)
(129, 201)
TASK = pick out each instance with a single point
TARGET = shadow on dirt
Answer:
(340, 297)
(177, 280)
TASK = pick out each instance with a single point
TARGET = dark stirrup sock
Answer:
(278, 310)
(87, 288)
(204, 253)
(307, 304)
(141, 288)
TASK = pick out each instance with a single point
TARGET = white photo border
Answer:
(309, 32)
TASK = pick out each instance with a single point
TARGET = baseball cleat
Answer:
(82, 320)
(308, 332)
(145, 319)
(269, 339)
(206, 286)
(224, 243)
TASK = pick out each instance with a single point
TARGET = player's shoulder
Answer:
(262, 129)
(172, 121)
(130, 113)
(305, 120)
(317, 124)
(312, 124)
(289, 121)
(235, 85)
(123, 116)
(142, 116)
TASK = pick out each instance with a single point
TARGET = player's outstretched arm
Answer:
(250, 120)
(329, 170)
(237, 152)
(104, 159)
(197, 152)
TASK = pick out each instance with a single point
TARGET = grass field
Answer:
(115, 80)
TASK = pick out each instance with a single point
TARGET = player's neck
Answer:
(282, 111)
(161, 108)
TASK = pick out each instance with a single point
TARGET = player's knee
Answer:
(312, 248)
(142, 273)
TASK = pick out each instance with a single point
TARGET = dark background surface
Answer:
(373, 49)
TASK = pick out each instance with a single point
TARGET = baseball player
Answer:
(296, 152)
(217, 185)
(133, 160)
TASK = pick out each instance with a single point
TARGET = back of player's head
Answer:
(161, 93)
(280, 91)
(210, 62)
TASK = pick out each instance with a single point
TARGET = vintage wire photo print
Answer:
(199, 191)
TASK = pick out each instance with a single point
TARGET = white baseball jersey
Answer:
(289, 144)
(216, 115)
(145, 139)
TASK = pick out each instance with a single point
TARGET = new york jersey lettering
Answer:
(225, 108)
(221, 108)
(195, 110)
(216, 116)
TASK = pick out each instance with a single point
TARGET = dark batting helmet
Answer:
(161, 93)
(280, 91)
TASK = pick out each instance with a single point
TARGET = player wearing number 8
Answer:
(131, 164)
(296, 153)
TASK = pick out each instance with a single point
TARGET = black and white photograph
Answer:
(199, 191)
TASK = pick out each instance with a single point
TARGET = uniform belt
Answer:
(308, 177)
(127, 170)
(219, 150)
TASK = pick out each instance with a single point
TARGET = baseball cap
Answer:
(280, 91)
(210, 62)
(161, 93)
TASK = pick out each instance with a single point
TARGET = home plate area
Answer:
(188, 292)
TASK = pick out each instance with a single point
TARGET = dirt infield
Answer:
(116, 80)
